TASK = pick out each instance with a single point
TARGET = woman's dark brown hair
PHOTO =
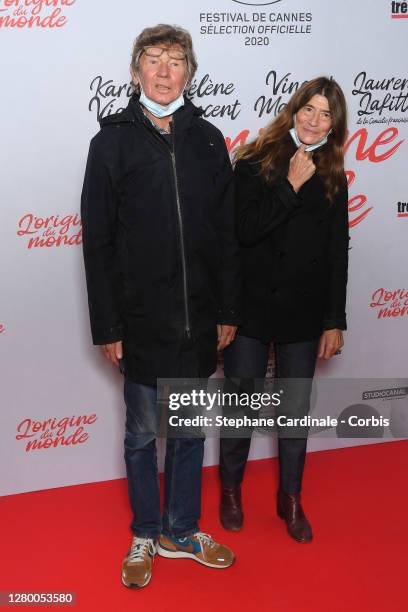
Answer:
(273, 148)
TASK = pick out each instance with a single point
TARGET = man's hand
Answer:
(226, 334)
(113, 352)
(330, 343)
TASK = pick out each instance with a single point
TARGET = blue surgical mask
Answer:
(312, 147)
(158, 110)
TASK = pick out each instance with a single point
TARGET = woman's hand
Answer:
(301, 168)
(113, 352)
(330, 343)
(226, 334)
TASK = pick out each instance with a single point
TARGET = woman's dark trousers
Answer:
(247, 358)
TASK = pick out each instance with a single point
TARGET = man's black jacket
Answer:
(161, 258)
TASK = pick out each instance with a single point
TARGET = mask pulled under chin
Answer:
(158, 110)
(312, 147)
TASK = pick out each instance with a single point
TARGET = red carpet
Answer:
(74, 538)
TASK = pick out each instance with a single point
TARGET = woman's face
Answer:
(313, 121)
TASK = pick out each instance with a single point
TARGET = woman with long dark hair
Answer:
(292, 224)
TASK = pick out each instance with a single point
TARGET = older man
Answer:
(163, 281)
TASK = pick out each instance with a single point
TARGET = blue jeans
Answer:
(182, 474)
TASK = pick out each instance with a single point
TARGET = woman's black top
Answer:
(295, 254)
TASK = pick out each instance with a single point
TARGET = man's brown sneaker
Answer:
(137, 565)
(199, 546)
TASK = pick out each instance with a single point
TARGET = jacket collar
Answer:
(134, 113)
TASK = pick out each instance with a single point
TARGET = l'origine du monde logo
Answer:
(44, 14)
(53, 231)
(54, 432)
(389, 304)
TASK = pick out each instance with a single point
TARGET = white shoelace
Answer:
(205, 538)
(140, 546)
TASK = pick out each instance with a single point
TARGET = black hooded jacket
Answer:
(161, 258)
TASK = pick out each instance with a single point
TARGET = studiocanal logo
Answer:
(45, 14)
(399, 10)
(402, 210)
(385, 394)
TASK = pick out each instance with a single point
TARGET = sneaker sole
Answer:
(169, 554)
(133, 585)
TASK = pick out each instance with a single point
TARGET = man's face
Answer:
(162, 78)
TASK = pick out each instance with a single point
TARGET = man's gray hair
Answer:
(169, 35)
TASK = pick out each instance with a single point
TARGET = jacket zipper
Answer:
(183, 253)
(187, 327)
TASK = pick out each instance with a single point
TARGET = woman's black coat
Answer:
(295, 254)
(161, 256)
